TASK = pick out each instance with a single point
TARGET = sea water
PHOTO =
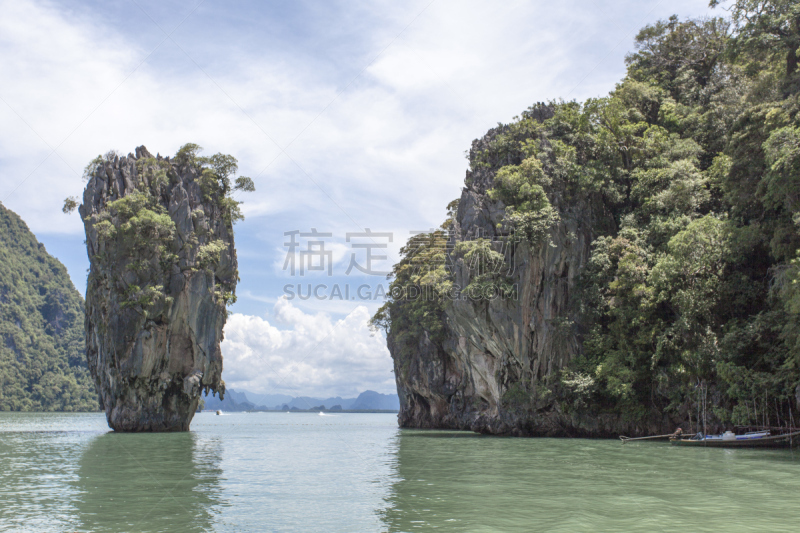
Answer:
(358, 472)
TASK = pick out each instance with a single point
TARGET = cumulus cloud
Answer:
(366, 125)
(348, 115)
(305, 354)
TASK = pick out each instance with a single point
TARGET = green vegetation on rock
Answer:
(688, 173)
(159, 235)
(421, 287)
(521, 189)
(42, 354)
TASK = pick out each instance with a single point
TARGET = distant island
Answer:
(242, 400)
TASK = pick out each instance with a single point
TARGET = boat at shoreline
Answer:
(668, 436)
(754, 439)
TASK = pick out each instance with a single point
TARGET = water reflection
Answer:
(462, 482)
(438, 476)
(149, 482)
(306, 473)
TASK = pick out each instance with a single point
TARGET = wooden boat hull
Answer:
(664, 438)
(788, 440)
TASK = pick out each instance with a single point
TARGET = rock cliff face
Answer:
(498, 366)
(668, 292)
(163, 264)
(42, 359)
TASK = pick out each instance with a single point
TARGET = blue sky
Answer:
(348, 115)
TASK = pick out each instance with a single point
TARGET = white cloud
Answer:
(379, 105)
(384, 149)
(311, 355)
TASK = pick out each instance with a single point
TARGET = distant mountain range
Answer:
(242, 400)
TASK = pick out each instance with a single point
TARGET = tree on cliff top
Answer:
(217, 172)
(216, 178)
(767, 26)
(139, 234)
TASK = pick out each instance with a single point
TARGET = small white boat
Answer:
(219, 412)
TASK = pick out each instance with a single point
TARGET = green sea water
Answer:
(358, 472)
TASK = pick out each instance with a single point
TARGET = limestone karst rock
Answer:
(163, 266)
(490, 368)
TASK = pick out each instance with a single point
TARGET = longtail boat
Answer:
(754, 439)
(666, 437)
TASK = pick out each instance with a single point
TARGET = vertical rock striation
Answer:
(657, 273)
(163, 266)
(498, 362)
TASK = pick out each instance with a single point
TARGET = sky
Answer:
(351, 117)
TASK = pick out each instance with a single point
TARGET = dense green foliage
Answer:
(137, 235)
(419, 290)
(137, 232)
(215, 178)
(693, 286)
(521, 189)
(42, 354)
(487, 266)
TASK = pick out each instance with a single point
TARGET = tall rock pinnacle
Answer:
(163, 267)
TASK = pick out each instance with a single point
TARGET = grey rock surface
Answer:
(152, 362)
(499, 366)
